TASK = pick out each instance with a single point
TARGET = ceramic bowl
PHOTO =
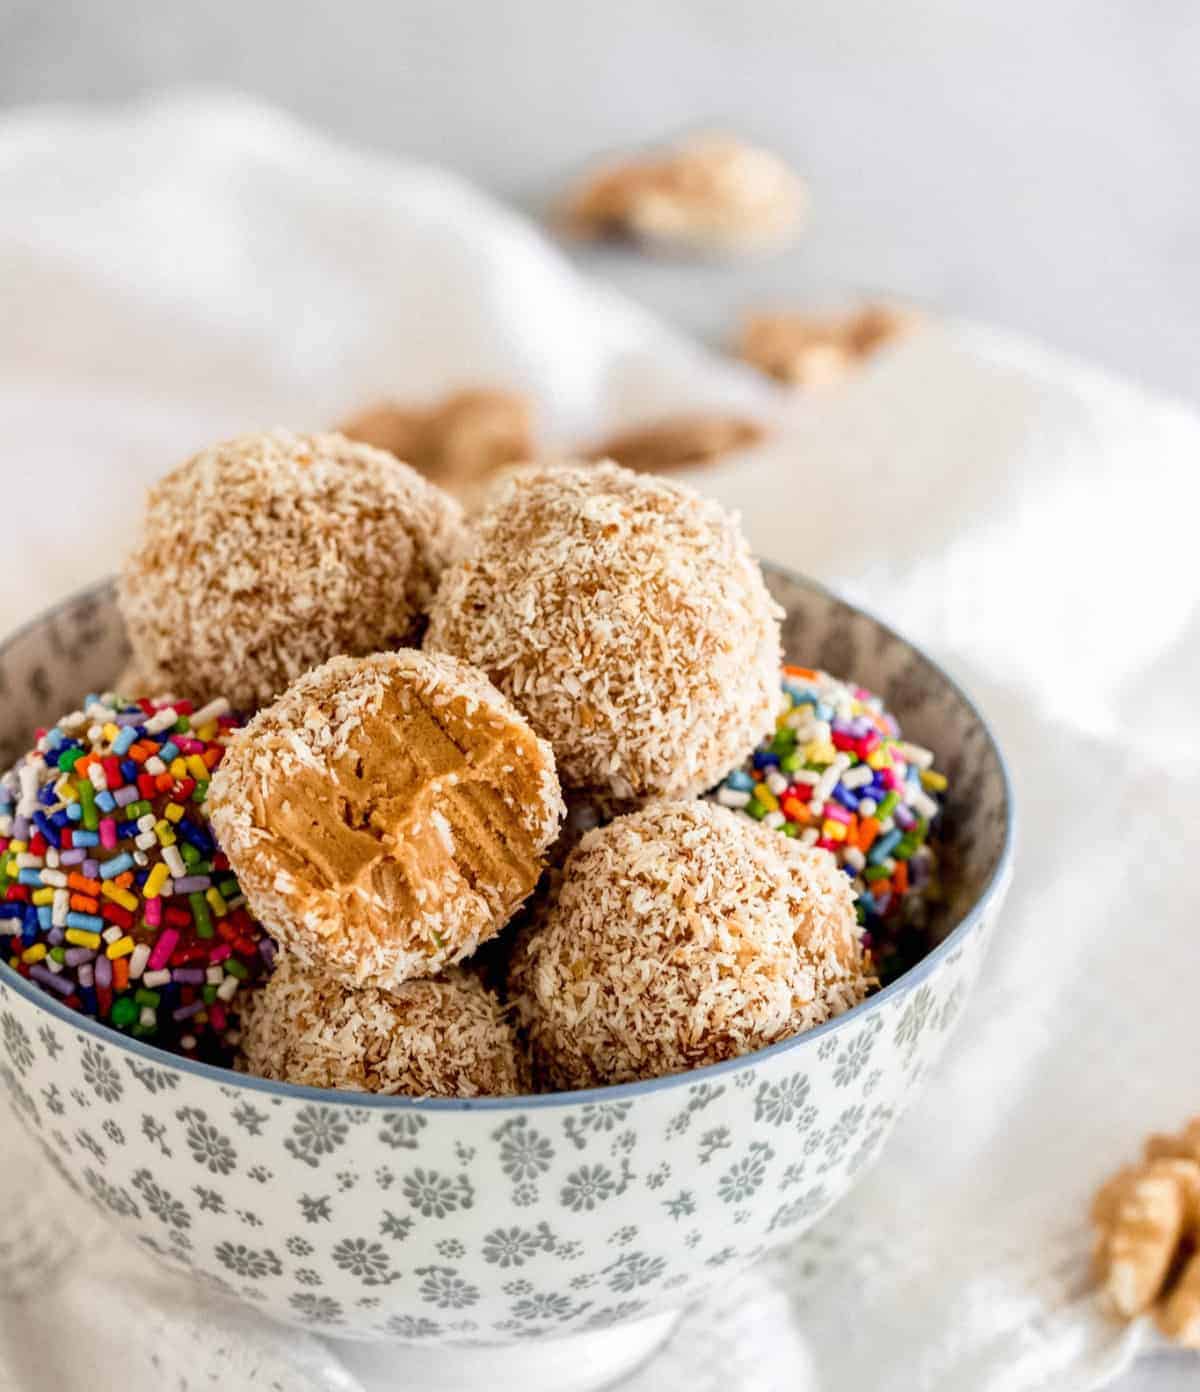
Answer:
(583, 1220)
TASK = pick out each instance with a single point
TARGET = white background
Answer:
(1031, 163)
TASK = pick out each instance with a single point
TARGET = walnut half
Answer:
(1147, 1250)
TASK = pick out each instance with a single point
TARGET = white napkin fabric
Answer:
(199, 266)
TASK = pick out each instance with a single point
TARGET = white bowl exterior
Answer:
(386, 1218)
(480, 1225)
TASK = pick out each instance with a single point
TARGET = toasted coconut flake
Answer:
(808, 350)
(386, 814)
(626, 618)
(448, 1037)
(263, 556)
(678, 936)
(679, 442)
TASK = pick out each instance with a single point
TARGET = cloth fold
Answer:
(199, 265)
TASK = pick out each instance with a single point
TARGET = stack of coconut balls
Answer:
(428, 699)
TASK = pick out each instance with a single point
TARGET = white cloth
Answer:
(200, 266)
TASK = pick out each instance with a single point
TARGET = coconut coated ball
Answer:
(678, 936)
(386, 815)
(627, 620)
(448, 1037)
(266, 555)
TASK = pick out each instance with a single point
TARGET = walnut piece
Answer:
(1147, 1251)
(807, 350)
(679, 442)
(709, 193)
(459, 442)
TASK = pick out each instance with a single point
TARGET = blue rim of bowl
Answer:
(227, 1077)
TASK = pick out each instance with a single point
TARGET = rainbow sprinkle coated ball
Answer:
(837, 774)
(113, 893)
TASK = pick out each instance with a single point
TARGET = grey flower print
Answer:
(713, 1141)
(22, 1098)
(658, 1176)
(609, 1315)
(384, 1177)
(100, 1074)
(682, 1205)
(569, 1251)
(251, 1220)
(814, 1139)
(434, 1195)
(113, 1132)
(366, 1260)
(586, 1187)
(260, 1174)
(53, 1100)
(247, 1262)
(726, 1254)
(308, 1277)
(210, 1200)
(156, 1133)
(50, 1042)
(78, 1096)
(853, 1058)
(249, 1118)
(89, 1142)
(321, 1309)
(779, 1103)
(584, 1281)
(505, 1247)
(694, 1238)
(624, 1235)
(346, 1180)
(544, 1306)
(913, 1021)
(524, 1153)
(525, 1195)
(317, 1131)
(595, 1118)
(793, 1175)
(112, 1196)
(633, 1269)
(395, 1226)
(299, 1246)
(17, 1044)
(154, 1080)
(874, 1078)
(450, 1249)
(841, 1134)
(745, 1177)
(315, 1209)
(413, 1327)
(401, 1130)
(444, 1287)
(208, 1146)
(518, 1287)
(796, 1210)
(827, 1047)
(160, 1202)
(624, 1143)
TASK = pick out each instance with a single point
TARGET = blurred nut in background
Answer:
(679, 442)
(710, 193)
(808, 350)
(458, 442)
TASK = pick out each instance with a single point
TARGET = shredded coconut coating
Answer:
(386, 815)
(626, 618)
(678, 936)
(263, 556)
(444, 1038)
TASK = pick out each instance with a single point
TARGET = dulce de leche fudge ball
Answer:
(263, 556)
(449, 1037)
(678, 936)
(386, 815)
(625, 617)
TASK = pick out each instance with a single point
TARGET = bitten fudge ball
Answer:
(387, 814)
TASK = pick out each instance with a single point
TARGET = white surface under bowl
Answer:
(459, 1226)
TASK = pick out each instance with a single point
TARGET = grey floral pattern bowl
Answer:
(453, 1225)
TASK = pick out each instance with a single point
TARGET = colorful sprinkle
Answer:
(837, 774)
(110, 880)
